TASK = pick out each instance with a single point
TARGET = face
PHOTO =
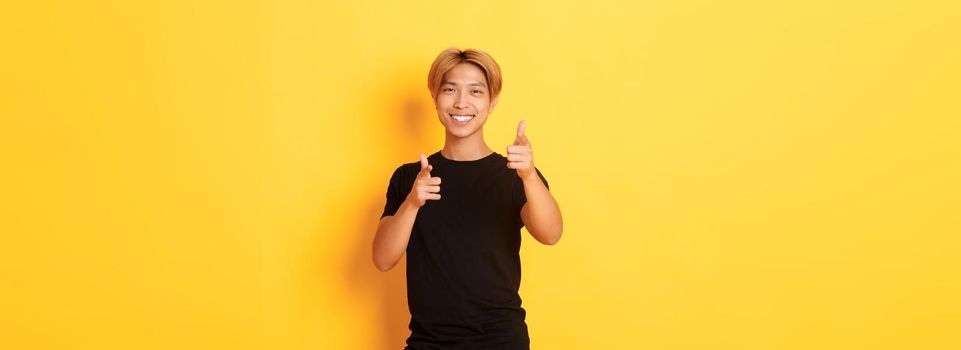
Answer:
(463, 101)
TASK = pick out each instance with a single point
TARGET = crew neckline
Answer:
(466, 162)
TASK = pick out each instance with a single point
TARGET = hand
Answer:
(520, 155)
(425, 187)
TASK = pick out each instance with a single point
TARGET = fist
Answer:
(520, 156)
(425, 187)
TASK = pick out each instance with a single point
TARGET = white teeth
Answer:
(462, 118)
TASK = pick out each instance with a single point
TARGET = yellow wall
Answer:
(733, 174)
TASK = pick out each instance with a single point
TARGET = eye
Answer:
(448, 89)
(476, 91)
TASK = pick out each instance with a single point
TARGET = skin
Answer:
(464, 92)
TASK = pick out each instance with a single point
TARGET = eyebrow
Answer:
(471, 84)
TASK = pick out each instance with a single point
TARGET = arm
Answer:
(393, 234)
(393, 231)
(541, 214)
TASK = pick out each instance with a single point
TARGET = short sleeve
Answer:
(519, 197)
(395, 194)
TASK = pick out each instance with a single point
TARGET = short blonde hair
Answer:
(454, 56)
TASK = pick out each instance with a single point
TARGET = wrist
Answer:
(530, 179)
(409, 204)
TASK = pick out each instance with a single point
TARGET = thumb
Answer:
(521, 128)
(423, 164)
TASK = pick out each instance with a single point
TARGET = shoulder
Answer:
(406, 170)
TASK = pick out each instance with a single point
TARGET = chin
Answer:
(461, 132)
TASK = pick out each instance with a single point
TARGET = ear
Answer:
(493, 104)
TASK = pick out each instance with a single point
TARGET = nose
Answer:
(460, 102)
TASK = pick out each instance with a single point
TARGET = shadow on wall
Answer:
(402, 123)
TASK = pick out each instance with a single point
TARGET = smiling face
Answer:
(463, 101)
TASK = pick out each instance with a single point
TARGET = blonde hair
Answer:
(451, 57)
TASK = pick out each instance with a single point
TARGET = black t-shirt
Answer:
(463, 261)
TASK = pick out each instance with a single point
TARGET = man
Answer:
(462, 235)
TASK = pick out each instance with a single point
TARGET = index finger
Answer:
(521, 127)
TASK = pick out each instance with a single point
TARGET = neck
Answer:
(466, 148)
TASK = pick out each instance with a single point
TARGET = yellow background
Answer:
(733, 174)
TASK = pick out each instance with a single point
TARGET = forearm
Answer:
(543, 217)
(393, 234)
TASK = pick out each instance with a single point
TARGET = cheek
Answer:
(482, 105)
(443, 101)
